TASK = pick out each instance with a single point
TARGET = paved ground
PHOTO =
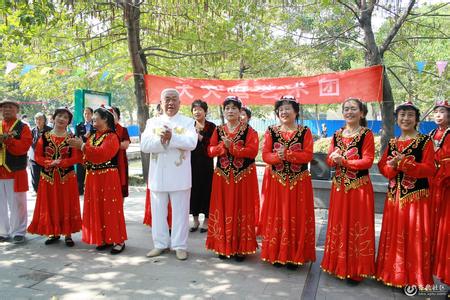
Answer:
(34, 271)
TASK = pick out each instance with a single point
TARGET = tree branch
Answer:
(350, 8)
(175, 54)
(394, 30)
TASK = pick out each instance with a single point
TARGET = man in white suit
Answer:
(169, 139)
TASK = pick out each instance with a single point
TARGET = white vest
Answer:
(170, 165)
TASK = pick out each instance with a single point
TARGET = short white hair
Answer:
(169, 91)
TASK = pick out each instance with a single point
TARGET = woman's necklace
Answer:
(59, 133)
(348, 132)
(232, 128)
(405, 137)
(199, 126)
(288, 128)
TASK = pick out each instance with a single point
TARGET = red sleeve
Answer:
(215, 148)
(330, 162)
(423, 169)
(386, 170)
(250, 150)
(20, 146)
(75, 157)
(268, 156)
(39, 156)
(306, 154)
(368, 154)
(104, 152)
(443, 158)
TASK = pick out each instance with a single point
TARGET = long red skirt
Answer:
(350, 241)
(441, 264)
(148, 211)
(231, 224)
(57, 210)
(103, 218)
(287, 222)
(404, 247)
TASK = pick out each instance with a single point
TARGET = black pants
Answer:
(81, 173)
(35, 171)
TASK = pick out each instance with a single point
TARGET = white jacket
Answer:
(170, 165)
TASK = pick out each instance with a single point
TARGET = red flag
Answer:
(365, 83)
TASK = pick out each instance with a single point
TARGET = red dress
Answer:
(122, 159)
(441, 201)
(404, 247)
(103, 218)
(57, 210)
(350, 241)
(287, 217)
(231, 225)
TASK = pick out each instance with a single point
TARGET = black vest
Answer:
(410, 188)
(352, 179)
(227, 163)
(53, 151)
(287, 170)
(110, 164)
(16, 162)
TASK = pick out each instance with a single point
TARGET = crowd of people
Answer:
(414, 243)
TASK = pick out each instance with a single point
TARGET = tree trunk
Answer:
(387, 113)
(139, 63)
(374, 57)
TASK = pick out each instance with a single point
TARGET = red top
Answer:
(250, 150)
(66, 162)
(422, 169)
(17, 147)
(368, 152)
(296, 157)
(103, 152)
(442, 154)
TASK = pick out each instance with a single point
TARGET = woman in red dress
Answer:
(287, 217)
(57, 210)
(405, 241)
(103, 217)
(350, 241)
(441, 189)
(231, 227)
(122, 160)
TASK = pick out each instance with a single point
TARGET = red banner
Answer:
(365, 83)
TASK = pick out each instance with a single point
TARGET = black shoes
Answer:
(117, 248)
(103, 247)
(52, 239)
(292, 267)
(203, 230)
(69, 242)
(239, 257)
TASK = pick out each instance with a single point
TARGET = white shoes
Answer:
(181, 254)
(155, 252)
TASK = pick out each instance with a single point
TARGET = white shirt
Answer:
(170, 165)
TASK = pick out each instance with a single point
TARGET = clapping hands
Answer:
(336, 156)
(395, 160)
(165, 135)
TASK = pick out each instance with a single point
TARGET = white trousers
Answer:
(14, 223)
(180, 219)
